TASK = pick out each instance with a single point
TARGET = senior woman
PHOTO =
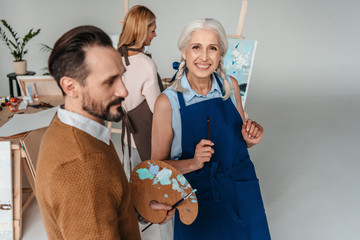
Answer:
(199, 128)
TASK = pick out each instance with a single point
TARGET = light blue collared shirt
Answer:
(85, 124)
(190, 97)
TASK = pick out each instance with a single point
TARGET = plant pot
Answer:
(20, 67)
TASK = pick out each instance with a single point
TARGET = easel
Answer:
(126, 9)
(238, 34)
(241, 21)
(17, 159)
(17, 186)
(21, 161)
(29, 154)
(12, 188)
(24, 148)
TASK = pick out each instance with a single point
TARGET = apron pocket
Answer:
(249, 200)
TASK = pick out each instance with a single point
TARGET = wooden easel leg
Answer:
(28, 200)
(29, 176)
(17, 181)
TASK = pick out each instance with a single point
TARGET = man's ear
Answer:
(70, 86)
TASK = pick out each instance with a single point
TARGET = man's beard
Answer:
(102, 112)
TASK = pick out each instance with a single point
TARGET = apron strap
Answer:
(220, 84)
(128, 127)
(181, 100)
(161, 86)
(123, 50)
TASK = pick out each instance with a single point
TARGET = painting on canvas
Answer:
(239, 61)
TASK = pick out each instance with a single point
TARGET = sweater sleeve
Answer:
(82, 200)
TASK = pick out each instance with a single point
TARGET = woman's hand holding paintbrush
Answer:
(203, 150)
(203, 153)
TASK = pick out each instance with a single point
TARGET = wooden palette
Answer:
(159, 181)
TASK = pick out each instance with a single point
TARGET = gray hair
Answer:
(195, 25)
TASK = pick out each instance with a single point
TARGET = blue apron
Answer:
(228, 192)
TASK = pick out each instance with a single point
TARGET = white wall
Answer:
(304, 90)
(54, 18)
(304, 47)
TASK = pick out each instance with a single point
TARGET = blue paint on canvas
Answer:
(238, 62)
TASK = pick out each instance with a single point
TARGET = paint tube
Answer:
(29, 93)
(36, 95)
(4, 99)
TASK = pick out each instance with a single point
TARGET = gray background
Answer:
(304, 90)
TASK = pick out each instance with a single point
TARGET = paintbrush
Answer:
(181, 200)
(173, 206)
(208, 128)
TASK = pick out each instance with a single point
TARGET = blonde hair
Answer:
(207, 23)
(137, 21)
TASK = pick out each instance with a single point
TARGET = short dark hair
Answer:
(68, 55)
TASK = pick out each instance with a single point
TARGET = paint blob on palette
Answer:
(156, 180)
(164, 177)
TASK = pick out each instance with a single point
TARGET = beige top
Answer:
(141, 82)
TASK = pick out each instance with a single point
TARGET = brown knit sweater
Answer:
(81, 187)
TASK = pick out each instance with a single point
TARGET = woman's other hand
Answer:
(252, 132)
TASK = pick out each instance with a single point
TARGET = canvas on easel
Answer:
(239, 61)
(6, 193)
(45, 85)
(239, 58)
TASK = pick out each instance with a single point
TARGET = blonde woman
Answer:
(141, 80)
(143, 85)
(199, 128)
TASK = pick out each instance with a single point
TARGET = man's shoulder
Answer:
(58, 137)
(62, 143)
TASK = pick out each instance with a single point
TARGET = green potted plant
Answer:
(17, 46)
(45, 48)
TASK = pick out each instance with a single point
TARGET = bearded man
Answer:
(81, 185)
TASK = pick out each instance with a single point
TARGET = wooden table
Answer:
(20, 162)
(6, 114)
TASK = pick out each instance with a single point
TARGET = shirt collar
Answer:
(190, 93)
(85, 124)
